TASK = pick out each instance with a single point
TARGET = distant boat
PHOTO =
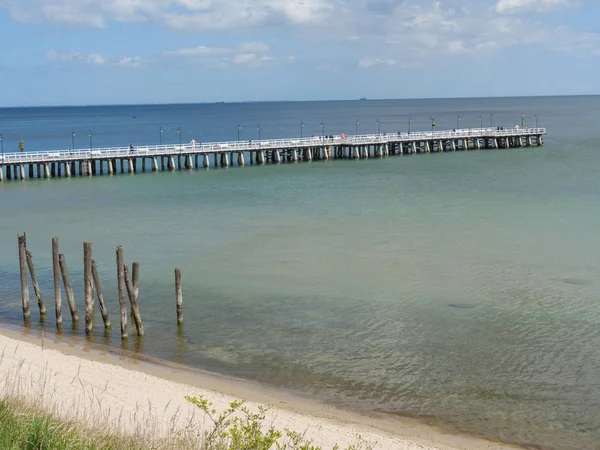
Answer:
(362, 99)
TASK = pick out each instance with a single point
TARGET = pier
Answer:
(154, 158)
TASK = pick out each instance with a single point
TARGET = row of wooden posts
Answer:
(128, 284)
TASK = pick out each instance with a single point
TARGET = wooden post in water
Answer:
(36, 287)
(122, 288)
(68, 288)
(101, 304)
(135, 279)
(179, 296)
(23, 273)
(56, 271)
(133, 300)
(87, 283)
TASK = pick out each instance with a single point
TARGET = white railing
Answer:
(270, 144)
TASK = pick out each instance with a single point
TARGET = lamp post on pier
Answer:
(2, 145)
(481, 124)
(258, 129)
(239, 128)
(73, 140)
(179, 133)
(160, 136)
(536, 120)
(458, 121)
(491, 119)
(356, 130)
(90, 135)
(301, 128)
(522, 119)
(409, 122)
(323, 130)
(378, 126)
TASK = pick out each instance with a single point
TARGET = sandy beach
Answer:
(93, 385)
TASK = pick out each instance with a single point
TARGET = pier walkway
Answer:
(99, 161)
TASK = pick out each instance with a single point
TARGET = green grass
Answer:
(24, 427)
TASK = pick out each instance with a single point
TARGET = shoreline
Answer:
(129, 380)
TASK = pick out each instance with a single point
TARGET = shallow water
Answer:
(460, 288)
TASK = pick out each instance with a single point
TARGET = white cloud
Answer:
(130, 61)
(368, 63)
(514, 6)
(91, 58)
(254, 47)
(201, 50)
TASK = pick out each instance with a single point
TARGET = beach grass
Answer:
(26, 427)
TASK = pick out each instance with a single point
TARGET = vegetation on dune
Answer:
(236, 428)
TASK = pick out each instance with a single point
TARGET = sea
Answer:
(460, 289)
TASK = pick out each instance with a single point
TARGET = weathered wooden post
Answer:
(36, 287)
(135, 279)
(101, 304)
(122, 288)
(87, 284)
(133, 300)
(23, 273)
(179, 296)
(68, 288)
(56, 271)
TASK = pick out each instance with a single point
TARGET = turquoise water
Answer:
(459, 288)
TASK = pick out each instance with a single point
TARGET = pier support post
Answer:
(294, 155)
(240, 160)
(133, 301)
(529, 141)
(206, 161)
(539, 140)
(171, 163)
(441, 147)
(414, 148)
(495, 144)
(68, 288)
(260, 157)
(154, 164)
(101, 304)
(189, 164)
(130, 165)
(24, 281)
(477, 144)
(56, 273)
(111, 169)
(1, 173)
(46, 171)
(507, 143)
(216, 162)
(22, 169)
(427, 147)
(87, 284)
(122, 289)
(453, 145)
(179, 297)
(276, 156)
(36, 287)
(30, 167)
(225, 159)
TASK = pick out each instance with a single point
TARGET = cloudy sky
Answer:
(146, 51)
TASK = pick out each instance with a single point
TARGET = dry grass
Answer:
(33, 415)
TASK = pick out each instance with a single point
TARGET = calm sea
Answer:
(460, 288)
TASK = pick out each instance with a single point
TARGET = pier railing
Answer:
(264, 144)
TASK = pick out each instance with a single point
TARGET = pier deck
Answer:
(98, 161)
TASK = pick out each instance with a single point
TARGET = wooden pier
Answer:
(109, 161)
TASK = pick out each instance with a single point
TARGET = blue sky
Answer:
(59, 52)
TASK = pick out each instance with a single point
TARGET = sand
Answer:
(96, 386)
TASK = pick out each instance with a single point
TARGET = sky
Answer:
(81, 52)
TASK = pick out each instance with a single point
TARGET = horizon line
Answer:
(238, 102)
